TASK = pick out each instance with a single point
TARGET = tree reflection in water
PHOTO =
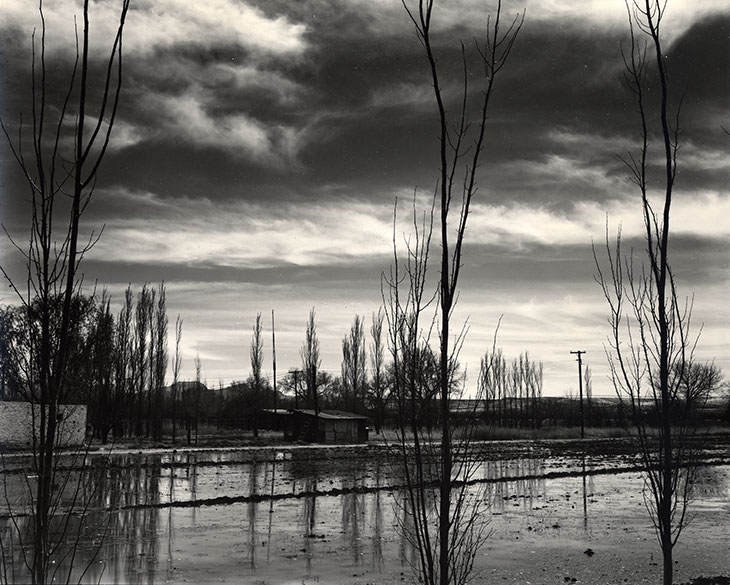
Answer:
(271, 511)
(406, 548)
(251, 508)
(309, 520)
(352, 508)
(75, 533)
(132, 548)
(349, 526)
(191, 470)
(378, 563)
(169, 568)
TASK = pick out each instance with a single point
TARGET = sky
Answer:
(261, 147)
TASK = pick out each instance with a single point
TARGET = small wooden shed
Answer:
(331, 427)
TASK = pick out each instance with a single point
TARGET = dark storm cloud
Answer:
(697, 260)
(335, 118)
(259, 148)
(699, 63)
(120, 273)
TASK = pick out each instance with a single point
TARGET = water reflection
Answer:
(585, 495)
(309, 518)
(252, 507)
(407, 547)
(140, 544)
(271, 511)
(191, 471)
(170, 527)
(522, 491)
(377, 546)
(352, 509)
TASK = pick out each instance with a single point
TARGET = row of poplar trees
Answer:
(120, 361)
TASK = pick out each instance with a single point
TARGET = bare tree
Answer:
(12, 360)
(257, 352)
(533, 379)
(142, 328)
(99, 350)
(198, 391)
(493, 385)
(124, 363)
(447, 556)
(160, 360)
(60, 180)
(650, 351)
(512, 393)
(406, 309)
(176, 367)
(698, 384)
(353, 364)
(311, 360)
(379, 385)
(257, 360)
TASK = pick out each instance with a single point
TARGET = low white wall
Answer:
(16, 424)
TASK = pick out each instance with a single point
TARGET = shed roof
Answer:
(331, 414)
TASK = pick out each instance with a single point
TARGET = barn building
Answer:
(331, 427)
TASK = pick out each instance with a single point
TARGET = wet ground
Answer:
(558, 512)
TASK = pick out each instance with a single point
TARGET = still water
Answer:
(214, 516)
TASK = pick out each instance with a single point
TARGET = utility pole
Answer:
(579, 353)
(273, 350)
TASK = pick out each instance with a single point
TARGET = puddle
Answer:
(217, 517)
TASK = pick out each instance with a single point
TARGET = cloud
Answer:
(519, 226)
(577, 170)
(403, 94)
(246, 235)
(259, 147)
(125, 134)
(589, 143)
(590, 15)
(243, 235)
(193, 119)
(703, 158)
(248, 78)
(214, 22)
(153, 25)
(203, 72)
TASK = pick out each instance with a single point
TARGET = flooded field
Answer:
(557, 512)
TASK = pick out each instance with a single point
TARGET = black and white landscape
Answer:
(358, 291)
